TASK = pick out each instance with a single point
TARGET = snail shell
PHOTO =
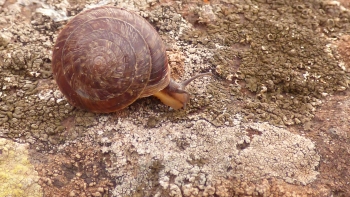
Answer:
(106, 57)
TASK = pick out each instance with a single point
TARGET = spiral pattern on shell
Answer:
(106, 57)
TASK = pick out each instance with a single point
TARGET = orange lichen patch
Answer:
(330, 131)
(176, 62)
(273, 187)
(76, 170)
(206, 1)
(344, 49)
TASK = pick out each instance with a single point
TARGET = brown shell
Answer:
(106, 57)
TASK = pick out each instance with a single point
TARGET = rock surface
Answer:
(272, 121)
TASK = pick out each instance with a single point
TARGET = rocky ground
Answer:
(273, 120)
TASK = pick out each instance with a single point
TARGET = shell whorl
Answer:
(105, 58)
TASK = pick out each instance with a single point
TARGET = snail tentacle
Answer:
(175, 95)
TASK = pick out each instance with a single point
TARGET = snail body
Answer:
(106, 57)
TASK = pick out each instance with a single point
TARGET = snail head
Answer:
(175, 95)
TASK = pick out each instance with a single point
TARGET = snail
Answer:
(107, 57)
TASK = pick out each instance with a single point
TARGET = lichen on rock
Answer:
(276, 152)
(17, 175)
(273, 61)
(266, 51)
(195, 160)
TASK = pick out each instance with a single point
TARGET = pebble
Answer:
(192, 50)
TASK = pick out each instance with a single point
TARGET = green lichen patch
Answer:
(17, 175)
(277, 55)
